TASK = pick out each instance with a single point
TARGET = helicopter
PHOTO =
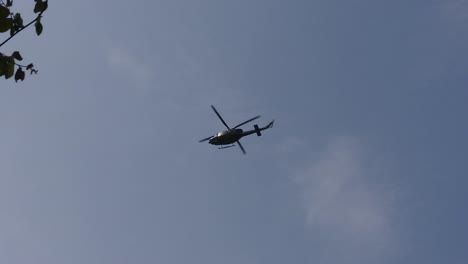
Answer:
(227, 137)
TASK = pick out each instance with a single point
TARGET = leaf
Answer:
(40, 6)
(30, 66)
(19, 75)
(39, 27)
(46, 4)
(4, 11)
(2, 64)
(5, 24)
(9, 67)
(9, 3)
(17, 55)
(18, 20)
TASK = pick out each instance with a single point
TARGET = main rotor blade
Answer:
(241, 147)
(222, 120)
(250, 120)
(205, 139)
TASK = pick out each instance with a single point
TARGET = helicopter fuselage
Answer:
(227, 137)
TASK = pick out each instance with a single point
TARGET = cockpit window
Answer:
(221, 133)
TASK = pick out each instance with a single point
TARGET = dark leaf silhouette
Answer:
(38, 26)
(5, 24)
(19, 75)
(12, 22)
(4, 11)
(40, 6)
(17, 56)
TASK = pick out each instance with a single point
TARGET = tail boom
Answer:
(258, 130)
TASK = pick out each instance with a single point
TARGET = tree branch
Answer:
(21, 29)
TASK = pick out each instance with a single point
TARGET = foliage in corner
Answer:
(13, 23)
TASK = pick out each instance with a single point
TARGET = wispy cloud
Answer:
(129, 65)
(290, 144)
(455, 9)
(346, 209)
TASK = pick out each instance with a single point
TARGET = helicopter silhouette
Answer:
(233, 135)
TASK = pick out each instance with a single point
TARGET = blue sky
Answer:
(100, 160)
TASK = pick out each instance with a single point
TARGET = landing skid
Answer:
(223, 147)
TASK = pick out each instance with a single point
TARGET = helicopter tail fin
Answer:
(271, 124)
(257, 130)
